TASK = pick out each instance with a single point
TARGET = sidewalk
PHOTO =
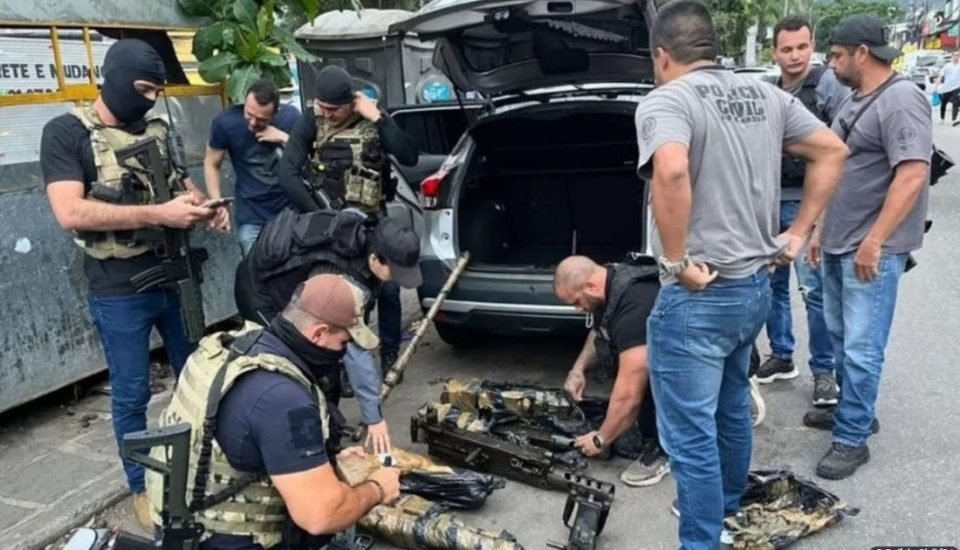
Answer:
(59, 465)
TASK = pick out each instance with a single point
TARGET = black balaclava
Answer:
(315, 357)
(127, 61)
(334, 85)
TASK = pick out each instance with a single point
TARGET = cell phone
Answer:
(216, 203)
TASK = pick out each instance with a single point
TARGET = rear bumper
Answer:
(499, 303)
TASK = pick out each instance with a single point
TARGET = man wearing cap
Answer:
(340, 149)
(253, 134)
(874, 221)
(103, 203)
(275, 441)
(294, 246)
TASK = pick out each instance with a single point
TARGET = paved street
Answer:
(907, 493)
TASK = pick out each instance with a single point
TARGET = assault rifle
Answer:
(590, 499)
(181, 264)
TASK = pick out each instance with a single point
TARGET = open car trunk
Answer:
(545, 183)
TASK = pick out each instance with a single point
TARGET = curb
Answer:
(116, 489)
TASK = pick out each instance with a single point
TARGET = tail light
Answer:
(430, 189)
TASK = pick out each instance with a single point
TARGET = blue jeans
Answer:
(780, 321)
(124, 324)
(859, 316)
(699, 351)
(247, 235)
(389, 317)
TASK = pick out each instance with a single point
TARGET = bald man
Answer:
(620, 297)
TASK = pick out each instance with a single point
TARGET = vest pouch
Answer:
(363, 187)
(106, 193)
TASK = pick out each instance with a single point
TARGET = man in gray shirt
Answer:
(710, 143)
(817, 88)
(875, 220)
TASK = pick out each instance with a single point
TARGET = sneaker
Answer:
(825, 390)
(141, 508)
(822, 419)
(841, 461)
(775, 368)
(651, 467)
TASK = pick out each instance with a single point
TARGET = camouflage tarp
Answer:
(416, 523)
(779, 508)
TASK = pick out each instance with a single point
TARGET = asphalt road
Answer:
(909, 494)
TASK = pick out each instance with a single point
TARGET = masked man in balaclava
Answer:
(339, 148)
(104, 203)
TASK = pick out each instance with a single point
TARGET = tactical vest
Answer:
(793, 170)
(349, 162)
(293, 245)
(118, 184)
(621, 277)
(257, 510)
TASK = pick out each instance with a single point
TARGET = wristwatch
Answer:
(597, 440)
(673, 269)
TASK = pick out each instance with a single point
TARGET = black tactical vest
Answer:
(792, 169)
(620, 277)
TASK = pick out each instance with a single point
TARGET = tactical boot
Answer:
(775, 368)
(387, 360)
(141, 508)
(841, 461)
(648, 469)
(822, 419)
(825, 390)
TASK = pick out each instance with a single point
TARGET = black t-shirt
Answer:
(66, 155)
(267, 422)
(628, 323)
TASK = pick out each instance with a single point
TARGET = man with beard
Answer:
(340, 148)
(273, 441)
(104, 203)
(254, 135)
(619, 297)
(817, 88)
(876, 219)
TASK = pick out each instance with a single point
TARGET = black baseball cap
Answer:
(400, 248)
(864, 30)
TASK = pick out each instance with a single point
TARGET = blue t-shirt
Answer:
(258, 196)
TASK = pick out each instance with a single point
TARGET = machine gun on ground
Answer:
(590, 499)
(181, 264)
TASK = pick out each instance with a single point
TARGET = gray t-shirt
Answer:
(897, 127)
(830, 96)
(951, 77)
(735, 128)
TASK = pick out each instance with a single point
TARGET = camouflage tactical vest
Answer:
(621, 277)
(257, 510)
(349, 162)
(116, 183)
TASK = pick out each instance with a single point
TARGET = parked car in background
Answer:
(923, 66)
(769, 73)
(547, 165)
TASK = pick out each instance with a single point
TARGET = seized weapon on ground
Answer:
(414, 522)
(180, 264)
(590, 498)
(394, 375)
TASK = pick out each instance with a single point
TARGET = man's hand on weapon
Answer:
(378, 437)
(183, 212)
(575, 384)
(389, 480)
(365, 107)
(586, 445)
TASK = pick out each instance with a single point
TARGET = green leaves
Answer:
(240, 80)
(265, 22)
(209, 39)
(200, 8)
(216, 68)
(288, 41)
(245, 12)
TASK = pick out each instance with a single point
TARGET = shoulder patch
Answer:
(305, 429)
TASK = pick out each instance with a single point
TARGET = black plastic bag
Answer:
(463, 489)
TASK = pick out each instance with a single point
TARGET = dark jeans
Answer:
(389, 317)
(859, 316)
(699, 354)
(949, 97)
(124, 324)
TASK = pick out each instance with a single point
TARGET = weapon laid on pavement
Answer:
(181, 264)
(589, 497)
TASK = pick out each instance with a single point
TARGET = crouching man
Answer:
(620, 297)
(263, 433)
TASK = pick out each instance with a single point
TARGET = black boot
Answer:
(387, 360)
(822, 419)
(841, 461)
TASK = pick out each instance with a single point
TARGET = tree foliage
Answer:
(828, 15)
